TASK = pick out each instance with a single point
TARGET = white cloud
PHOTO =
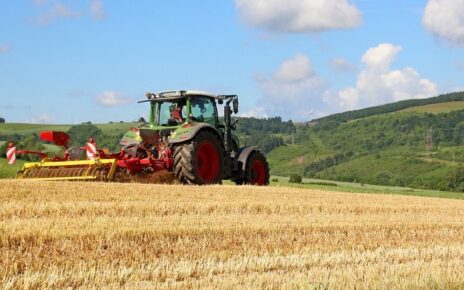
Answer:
(342, 65)
(349, 98)
(256, 112)
(97, 9)
(53, 11)
(42, 119)
(299, 16)
(296, 69)
(381, 56)
(112, 99)
(377, 83)
(4, 48)
(294, 91)
(40, 2)
(58, 11)
(445, 19)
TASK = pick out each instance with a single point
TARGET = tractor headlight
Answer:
(150, 96)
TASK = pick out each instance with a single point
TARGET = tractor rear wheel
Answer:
(256, 170)
(200, 161)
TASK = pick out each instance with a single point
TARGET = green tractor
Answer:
(184, 139)
(185, 136)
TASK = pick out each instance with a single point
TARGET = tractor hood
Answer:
(173, 134)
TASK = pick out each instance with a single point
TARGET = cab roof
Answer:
(179, 95)
(171, 95)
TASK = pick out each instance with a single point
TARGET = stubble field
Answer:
(60, 235)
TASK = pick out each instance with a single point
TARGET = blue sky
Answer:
(69, 61)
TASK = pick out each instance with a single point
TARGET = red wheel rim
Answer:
(208, 162)
(258, 172)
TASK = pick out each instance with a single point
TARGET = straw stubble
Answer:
(170, 236)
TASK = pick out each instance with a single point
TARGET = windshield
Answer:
(171, 113)
(175, 112)
(203, 110)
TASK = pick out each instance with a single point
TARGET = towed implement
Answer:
(184, 141)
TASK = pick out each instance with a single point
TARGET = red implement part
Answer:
(136, 165)
(56, 137)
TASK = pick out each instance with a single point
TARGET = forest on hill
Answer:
(391, 107)
(415, 143)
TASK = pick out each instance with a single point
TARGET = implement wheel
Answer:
(200, 161)
(256, 170)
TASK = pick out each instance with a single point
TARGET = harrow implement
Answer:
(131, 164)
(98, 170)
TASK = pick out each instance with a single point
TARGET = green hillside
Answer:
(437, 108)
(388, 149)
(392, 107)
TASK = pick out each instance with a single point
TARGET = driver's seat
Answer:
(176, 115)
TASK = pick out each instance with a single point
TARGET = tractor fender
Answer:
(245, 153)
(188, 132)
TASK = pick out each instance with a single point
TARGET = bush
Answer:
(323, 183)
(2, 120)
(81, 133)
(275, 180)
(295, 178)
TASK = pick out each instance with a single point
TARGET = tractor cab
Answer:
(173, 109)
(193, 109)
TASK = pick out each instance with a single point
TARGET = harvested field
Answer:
(61, 235)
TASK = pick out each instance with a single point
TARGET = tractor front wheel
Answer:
(200, 161)
(256, 170)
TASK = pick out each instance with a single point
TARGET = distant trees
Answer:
(295, 178)
(392, 107)
(2, 120)
(265, 142)
(262, 132)
(248, 126)
(81, 133)
(454, 181)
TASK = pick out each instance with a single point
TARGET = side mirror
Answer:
(220, 102)
(234, 124)
(235, 105)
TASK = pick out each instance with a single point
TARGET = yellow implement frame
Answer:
(86, 175)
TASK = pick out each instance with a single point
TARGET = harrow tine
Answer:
(69, 170)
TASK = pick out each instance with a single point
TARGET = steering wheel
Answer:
(131, 149)
(75, 153)
(134, 150)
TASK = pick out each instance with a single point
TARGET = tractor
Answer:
(184, 140)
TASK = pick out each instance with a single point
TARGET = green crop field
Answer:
(353, 187)
(437, 108)
(9, 171)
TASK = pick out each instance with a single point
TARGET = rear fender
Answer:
(131, 137)
(244, 154)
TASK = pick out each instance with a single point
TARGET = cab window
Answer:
(203, 110)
